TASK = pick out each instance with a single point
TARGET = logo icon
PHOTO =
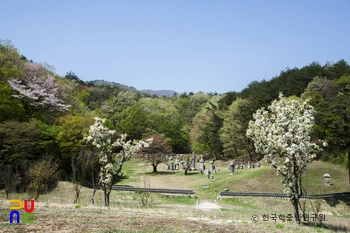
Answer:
(27, 217)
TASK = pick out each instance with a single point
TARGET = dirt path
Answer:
(207, 206)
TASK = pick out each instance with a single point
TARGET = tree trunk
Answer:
(154, 168)
(297, 183)
(93, 196)
(295, 202)
(187, 168)
(300, 191)
(106, 197)
(93, 184)
(76, 201)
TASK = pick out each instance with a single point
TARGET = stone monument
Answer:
(327, 179)
(232, 168)
(193, 162)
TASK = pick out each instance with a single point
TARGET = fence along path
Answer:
(252, 194)
(222, 194)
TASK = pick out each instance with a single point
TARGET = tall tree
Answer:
(319, 89)
(209, 132)
(282, 133)
(227, 99)
(70, 139)
(338, 69)
(134, 122)
(111, 161)
(156, 152)
(155, 116)
(233, 130)
(117, 104)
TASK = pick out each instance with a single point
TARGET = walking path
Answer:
(207, 205)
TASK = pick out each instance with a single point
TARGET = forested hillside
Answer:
(43, 117)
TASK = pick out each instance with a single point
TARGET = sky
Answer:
(180, 45)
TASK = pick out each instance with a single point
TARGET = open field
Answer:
(55, 212)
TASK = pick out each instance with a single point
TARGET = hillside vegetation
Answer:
(44, 117)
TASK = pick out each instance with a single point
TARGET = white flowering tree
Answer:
(281, 134)
(111, 161)
(39, 87)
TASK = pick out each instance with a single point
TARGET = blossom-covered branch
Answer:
(41, 88)
(101, 137)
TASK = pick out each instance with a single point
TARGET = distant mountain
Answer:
(103, 82)
(167, 93)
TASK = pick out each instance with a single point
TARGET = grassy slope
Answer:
(58, 206)
(263, 179)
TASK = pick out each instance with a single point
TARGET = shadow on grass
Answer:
(192, 173)
(332, 201)
(160, 173)
(335, 228)
(335, 201)
(169, 173)
(120, 178)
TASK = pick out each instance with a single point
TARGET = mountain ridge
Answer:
(160, 93)
(167, 93)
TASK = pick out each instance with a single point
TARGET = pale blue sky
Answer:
(182, 45)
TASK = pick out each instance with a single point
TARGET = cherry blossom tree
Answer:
(40, 87)
(281, 134)
(111, 161)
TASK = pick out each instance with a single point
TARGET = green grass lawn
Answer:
(263, 179)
